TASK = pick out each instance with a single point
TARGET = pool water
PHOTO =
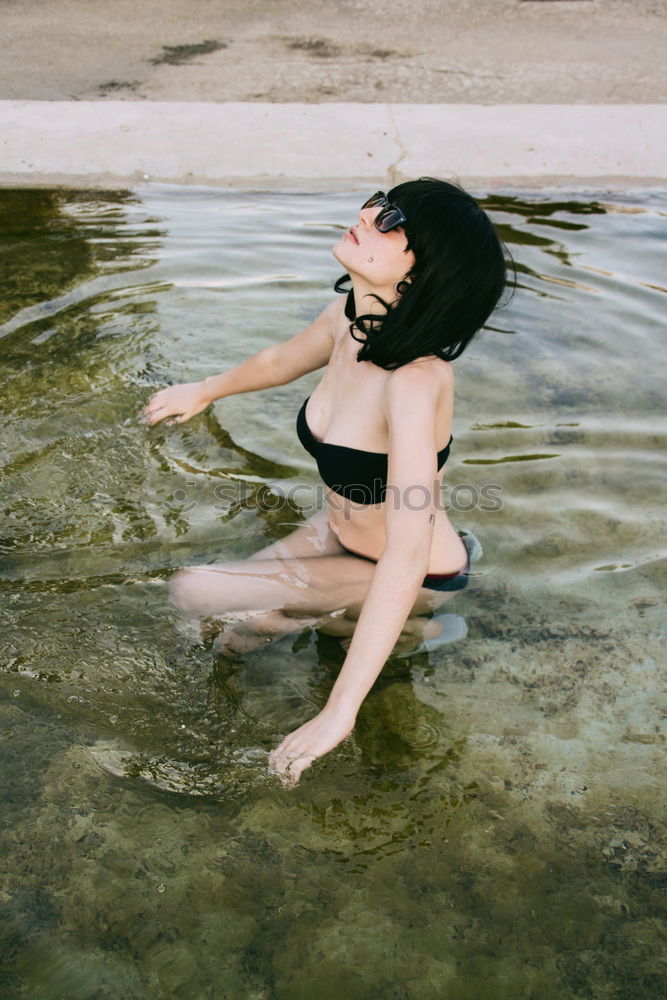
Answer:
(495, 825)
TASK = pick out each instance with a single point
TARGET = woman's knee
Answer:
(188, 589)
(227, 587)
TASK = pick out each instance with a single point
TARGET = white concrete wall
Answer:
(289, 145)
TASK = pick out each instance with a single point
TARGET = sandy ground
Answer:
(438, 51)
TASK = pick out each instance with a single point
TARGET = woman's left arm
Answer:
(411, 396)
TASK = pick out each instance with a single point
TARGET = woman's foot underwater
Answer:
(436, 632)
(443, 629)
(254, 631)
(230, 643)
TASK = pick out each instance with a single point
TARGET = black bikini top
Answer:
(360, 476)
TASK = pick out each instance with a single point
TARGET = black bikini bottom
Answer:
(437, 581)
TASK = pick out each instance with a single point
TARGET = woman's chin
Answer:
(348, 260)
(338, 250)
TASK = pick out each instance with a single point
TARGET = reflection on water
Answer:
(495, 824)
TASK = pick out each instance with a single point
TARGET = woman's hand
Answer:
(310, 741)
(177, 401)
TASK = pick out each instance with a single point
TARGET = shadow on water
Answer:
(494, 827)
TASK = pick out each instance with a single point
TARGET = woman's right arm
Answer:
(274, 365)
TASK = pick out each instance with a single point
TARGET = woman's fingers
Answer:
(179, 401)
(290, 766)
(156, 408)
(154, 415)
(296, 768)
(309, 742)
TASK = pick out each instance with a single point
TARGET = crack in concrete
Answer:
(642, 129)
(392, 169)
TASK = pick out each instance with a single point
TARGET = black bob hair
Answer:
(460, 272)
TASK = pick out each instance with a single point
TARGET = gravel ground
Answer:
(436, 51)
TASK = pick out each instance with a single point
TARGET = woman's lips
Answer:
(351, 235)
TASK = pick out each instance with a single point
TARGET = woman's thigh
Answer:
(312, 586)
(312, 538)
(315, 586)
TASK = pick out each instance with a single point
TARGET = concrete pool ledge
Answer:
(103, 143)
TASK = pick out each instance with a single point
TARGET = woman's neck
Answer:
(366, 297)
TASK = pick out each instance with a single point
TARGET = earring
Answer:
(371, 259)
(402, 286)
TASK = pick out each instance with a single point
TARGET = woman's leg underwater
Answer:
(269, 598)
(313, 537)
(306, 578)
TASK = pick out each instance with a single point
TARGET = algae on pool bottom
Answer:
(495, 825)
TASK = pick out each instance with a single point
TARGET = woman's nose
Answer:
(366, 216)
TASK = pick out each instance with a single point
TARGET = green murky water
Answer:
(495, 826)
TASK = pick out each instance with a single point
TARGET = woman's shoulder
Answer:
(428, 382)
(427, 373)
(335, 310)
(335, 314)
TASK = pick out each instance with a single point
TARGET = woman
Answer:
(426, 270)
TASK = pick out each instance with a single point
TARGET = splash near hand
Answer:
(312, 740)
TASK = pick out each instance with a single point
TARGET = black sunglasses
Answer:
(390, 217)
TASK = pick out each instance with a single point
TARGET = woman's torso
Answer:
(347, 389)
